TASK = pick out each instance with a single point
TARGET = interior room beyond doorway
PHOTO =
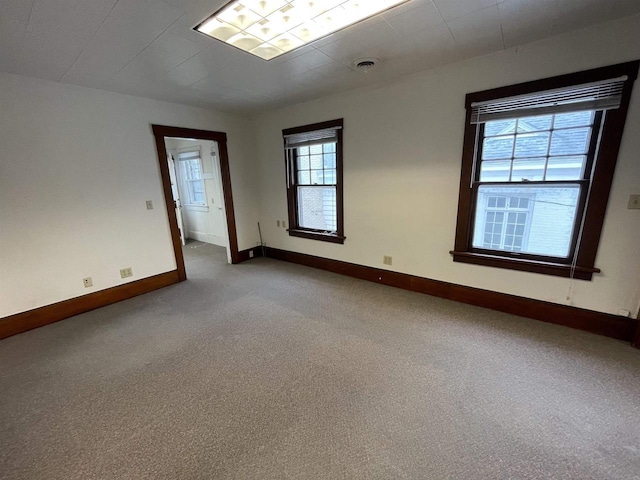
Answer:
(194, 169)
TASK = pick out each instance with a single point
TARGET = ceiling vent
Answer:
(365, 64)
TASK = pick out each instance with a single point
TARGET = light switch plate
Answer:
(634, 202)
(149, 205)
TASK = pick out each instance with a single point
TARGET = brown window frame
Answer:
(295, 230)
(605, 158)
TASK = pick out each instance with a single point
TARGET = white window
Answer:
(191, 168)
(314, 180)
(537, 164)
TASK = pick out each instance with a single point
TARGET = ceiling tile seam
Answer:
(25, 30)
(444, 21)
(106, 17)
(145, 48)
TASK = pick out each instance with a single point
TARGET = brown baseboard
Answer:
(636, 337)
(244, 255)
(21, 322)
(613, 326)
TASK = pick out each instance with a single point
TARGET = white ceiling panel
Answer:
(450, 9)
(130, 28)
(478, 32)
(148, 47)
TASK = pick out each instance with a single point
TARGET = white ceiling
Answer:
(148, 48)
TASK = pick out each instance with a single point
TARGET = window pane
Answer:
(495, 171)
(531, 169)
(573, 119)
(570, 142)
(304, 177)
(329, 147)
(316, 161)
(303, 150)
(532, 144)
(329, 160)
(566, 168)
(317, 177)
(317, 208)
(303, 162)
(315, 149)
(330, 176)
(497, 147)
(532, 124)
(499, 127)
(533, 219)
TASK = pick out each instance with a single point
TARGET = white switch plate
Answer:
(149, 205)
(634, 202)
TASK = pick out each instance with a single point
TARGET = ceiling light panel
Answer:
(270, 28)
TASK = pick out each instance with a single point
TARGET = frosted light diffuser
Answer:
(270, 28)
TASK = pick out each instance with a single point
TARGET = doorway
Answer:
(193, 159)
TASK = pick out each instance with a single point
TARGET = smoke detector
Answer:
(365, 64)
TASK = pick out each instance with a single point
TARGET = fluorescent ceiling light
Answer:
(270, 28)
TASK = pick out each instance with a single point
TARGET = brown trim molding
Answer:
(244, 255)
(162, 131)
(636, 337)
(613, 326)
(21, 322)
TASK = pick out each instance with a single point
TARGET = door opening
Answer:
(194, 167)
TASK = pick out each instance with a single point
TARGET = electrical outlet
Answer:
(284, 224)
(126, 272)
(87, 282)
(250, 253)
(278, 223)
(387, 260)
(634, 202)
(149, 205)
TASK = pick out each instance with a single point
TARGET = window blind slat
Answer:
(604, 95)
(311, 138)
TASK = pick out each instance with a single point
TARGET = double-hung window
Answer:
(538, 163)
(190, 163)
(313, 155)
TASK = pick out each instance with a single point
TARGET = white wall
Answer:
(76, 166)
(402, 157)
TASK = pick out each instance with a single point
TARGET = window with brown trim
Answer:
(537, 166)
(313, 155)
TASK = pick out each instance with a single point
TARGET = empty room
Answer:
(337, 239)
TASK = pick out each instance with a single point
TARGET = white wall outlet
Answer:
(87, 282)
(634, 202)
(149, 205)
(624, 313)
(387, 260)
(284, 224)
(278, 223)
(126, 272)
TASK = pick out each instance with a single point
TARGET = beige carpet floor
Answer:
(269, 370)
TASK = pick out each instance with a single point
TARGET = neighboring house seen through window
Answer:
(314, 181)
(538, 163)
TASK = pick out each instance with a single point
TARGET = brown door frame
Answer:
(162, 131)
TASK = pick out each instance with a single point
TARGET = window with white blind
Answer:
(190, 163)
(314, 180)
(538, 162)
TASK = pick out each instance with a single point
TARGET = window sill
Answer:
(323, 237)
(547, 268)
